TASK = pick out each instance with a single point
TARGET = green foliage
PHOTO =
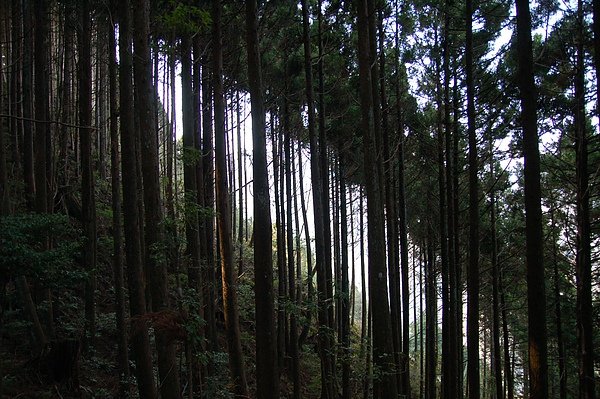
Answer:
(184, 19)
(42, 246)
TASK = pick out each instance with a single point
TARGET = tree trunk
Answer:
(328, 388)
(346, 388)
(135, 274)
(495, 299)
(385, 385)
(455, 340)
(291, 274)
(230, 307)
(536, 292)
(508, 374)
(88, 203)
(431, 338)
(596, 30)
(562, 372)
(442, 223)
(583, 260)
(390, 213)
(267, 377)
(324, 175)
(402, 224)
(473, 266)
(154, 234)
(120, 313)
(42, 142)
(28, 126)
(309, 267)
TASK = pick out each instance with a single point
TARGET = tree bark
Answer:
(88, 203)
(495, 294)
(328, 388)
(536, 291)
(154, 233)
(583, 259)
(120, 313)
(28, 126)
(267, 377)
(473, 386)
(385, 385)
(135, 274)
(230, 306)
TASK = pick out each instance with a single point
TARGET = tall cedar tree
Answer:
(120, 312)
(267, 381)
(88, 202)
(583, 260)
(155, 259)
(385, 385)
(140, 342)
(230, 306)
(536, 291)
(328, 386)
(473, 387)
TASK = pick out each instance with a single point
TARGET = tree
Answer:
(583, 258)
(267, 377)
(536, 292)
(230, 306)
(328, 387)
(155, 258)
(133, 251)
(473, 384)
(384, 386)
(87, 174)
(115, 161)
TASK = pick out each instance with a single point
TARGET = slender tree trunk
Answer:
(230, 306)
(280, 250)
(562, 372)
(431, 321)
(88, 202)
(363, 277)
(422, 292)
(385, 385)
(508, 374)
(495, 299)
(267, 376)
(536, 292)
(442, 223)
(291, 275)
(473, 385)
(67, 111)
(28, 126)
(346, 393)
(596, 30)
(189, 167)
(583, 260)
(324, 175)
(456, 238)
(454, 367)
(4, 109)
(309, 267)
(120, 313)
(154, 233)
(135, 274)
(390, 213)
(210, 285)
(16, 107)
(328, 388)
(402, 224)
(42, 142)
(241, 167)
